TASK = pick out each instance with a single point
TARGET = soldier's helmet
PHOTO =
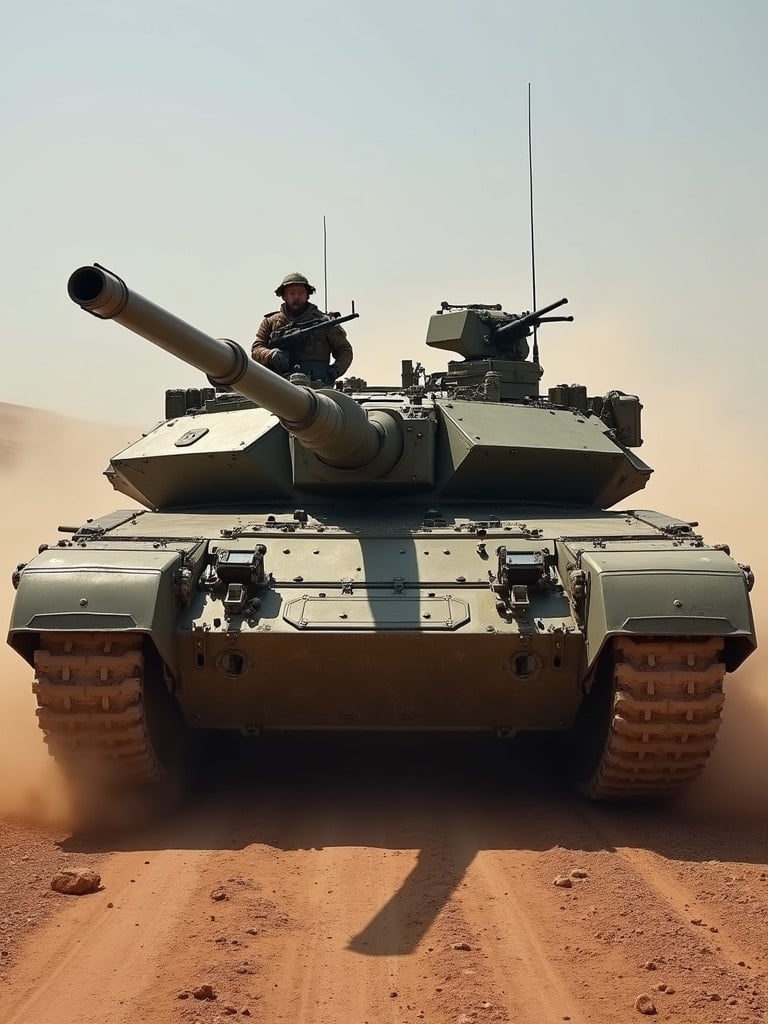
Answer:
(294, 279)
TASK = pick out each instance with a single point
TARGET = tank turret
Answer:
(346, 445)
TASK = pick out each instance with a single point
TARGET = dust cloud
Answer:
(714, 471)
(50, 471)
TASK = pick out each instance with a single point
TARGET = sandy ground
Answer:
(349, 881)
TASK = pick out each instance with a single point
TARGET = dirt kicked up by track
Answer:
(336, 881)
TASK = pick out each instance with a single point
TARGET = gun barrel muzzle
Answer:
(105, 295)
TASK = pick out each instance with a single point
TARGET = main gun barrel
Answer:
(331, 424)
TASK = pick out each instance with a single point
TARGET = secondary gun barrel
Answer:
(331, 424)
(530, 318)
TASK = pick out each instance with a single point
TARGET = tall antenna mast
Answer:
(533, 247)
(325, 264)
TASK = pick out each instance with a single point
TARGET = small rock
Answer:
(204, 992)
(183, 995)
(230, 1010)
(733, 1001)
(110, 906)
(696, 920)
(579, 873)
(393, 995)
(649, 965)
(251, 931)
(76, 882)
(219, 894)
(463, 946)
(644, 1004)
(715, 997)
(485, 1005)
(245, 1012)
(713, 929)
(662, 987)
(563, 882)
(669, 990)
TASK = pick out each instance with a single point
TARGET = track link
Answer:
(667, 698)
(89, 690)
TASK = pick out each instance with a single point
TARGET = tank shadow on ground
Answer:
(395, 790)
(447, 797)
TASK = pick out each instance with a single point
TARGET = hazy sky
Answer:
(194, 148)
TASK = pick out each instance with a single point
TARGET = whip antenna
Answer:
(325, 265)
(533, 248)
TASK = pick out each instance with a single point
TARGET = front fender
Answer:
(93, 590)
(693, 592)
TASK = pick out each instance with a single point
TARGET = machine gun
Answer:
(515, 331)
(287, 338)
(521, 325)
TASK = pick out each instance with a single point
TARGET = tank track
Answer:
(666, 702)
(89, 690)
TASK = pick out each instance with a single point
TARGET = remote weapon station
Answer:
(433, 556)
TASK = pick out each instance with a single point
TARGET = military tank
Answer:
(434, 556)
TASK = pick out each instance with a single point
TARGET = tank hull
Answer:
(367, 625)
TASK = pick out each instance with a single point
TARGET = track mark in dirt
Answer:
(400, 894)
(99, 951)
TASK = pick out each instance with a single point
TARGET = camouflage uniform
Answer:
(317, 348)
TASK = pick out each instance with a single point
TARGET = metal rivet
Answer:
(677, 603)
(83, 602)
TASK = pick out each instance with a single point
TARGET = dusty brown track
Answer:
(91, 709)
(667, 700)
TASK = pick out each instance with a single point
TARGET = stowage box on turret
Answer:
(430, 557)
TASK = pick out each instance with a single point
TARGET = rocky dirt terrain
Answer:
(332, 880)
